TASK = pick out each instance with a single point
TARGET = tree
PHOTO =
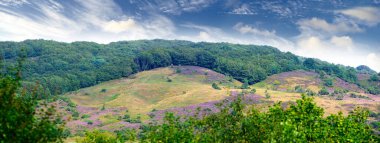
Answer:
(245, 84)
(20, 121)
(328, 82)
(323, 91)
(215, 86)
(374, 77)
(310, 63)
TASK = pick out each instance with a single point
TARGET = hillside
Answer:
(147, 91)
(62, 67)
(341, 96)
(147, 95)
(288, 81)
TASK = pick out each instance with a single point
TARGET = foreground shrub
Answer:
(97, 136)
(302, 122)
(21, 120)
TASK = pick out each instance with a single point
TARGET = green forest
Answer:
(61, 67)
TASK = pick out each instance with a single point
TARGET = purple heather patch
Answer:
(211, 76)
(204, 109)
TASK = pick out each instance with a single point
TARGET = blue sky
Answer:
(338, 31)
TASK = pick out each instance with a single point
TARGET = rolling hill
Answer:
(139, 94)
(147, 95)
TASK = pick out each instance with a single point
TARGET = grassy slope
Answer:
(148, 90)
(309, 80)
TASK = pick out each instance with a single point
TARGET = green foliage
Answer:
(245, 85)
(90, 122)
(103, 107)
(86, 63)
(339, 97)
(168, 79)
(302, 122)
(354, 95)
(215, 86)
(178, 70)
(97, 136)
(374, 77)
(20, 119)
(253, 91)
(127, 135)
(267, 95)
(328, 82)
(299, 89)
(310, 92)
(323, 91)
(84, 116)
(128, 118)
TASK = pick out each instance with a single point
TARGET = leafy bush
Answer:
(97, 136)
(178, 70)
(340, 97)
(328, 82)
(215, 86)
(253, 91)
(323, 91)
(302, 122)
(19, 121)
(127, 135)
(89, 122)
(245, 85)
(353, 95)
(310, 92)
(84, 116)
(267, 95)
(299, 89)
(374, 77)
(168, 79)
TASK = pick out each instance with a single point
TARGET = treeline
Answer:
(61, 67)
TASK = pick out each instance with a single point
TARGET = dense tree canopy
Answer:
(61, 67)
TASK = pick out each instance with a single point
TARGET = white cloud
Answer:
(178, 6)
(368, 15)
(245, 29)
(373, 61)
(320, 24)
(342, 42)
(276, 8)
(13, 2)
(263, 37)
(244, 9)
(91, 21)
(119, 26)
(204, 35)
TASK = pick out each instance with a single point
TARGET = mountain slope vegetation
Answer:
(160, 88)
(61, 67)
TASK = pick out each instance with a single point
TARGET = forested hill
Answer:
(60, 67)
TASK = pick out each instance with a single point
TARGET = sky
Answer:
(338, 31)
